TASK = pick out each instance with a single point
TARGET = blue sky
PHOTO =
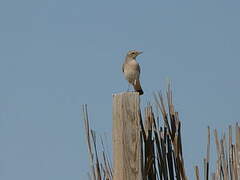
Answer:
(56, 55)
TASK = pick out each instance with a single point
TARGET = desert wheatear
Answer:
(131, 70)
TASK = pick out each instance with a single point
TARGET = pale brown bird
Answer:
(131, 70)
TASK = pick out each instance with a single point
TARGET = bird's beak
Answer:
(140, 52)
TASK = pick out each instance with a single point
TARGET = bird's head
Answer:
(133, 54)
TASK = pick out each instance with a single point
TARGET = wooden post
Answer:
(127, 153)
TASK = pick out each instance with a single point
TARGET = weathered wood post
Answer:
(127, 152)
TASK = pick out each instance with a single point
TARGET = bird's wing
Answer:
(138, 68)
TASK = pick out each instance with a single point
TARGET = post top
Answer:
(126, 94)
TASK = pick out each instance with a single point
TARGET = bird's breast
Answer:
(131, 71)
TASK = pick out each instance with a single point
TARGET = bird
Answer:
(131, 70)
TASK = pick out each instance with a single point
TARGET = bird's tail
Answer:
(137, 87)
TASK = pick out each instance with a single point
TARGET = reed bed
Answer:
(162, 151)
(227, 165)
(162, 144)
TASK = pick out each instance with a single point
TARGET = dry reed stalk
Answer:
(227, 164)
(206, 161)
(88, 139)
(197, 173)
(230, 152)
(98, 170)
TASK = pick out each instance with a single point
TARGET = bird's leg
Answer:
(135, 82)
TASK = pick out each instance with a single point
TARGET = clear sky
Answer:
(56, 55)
